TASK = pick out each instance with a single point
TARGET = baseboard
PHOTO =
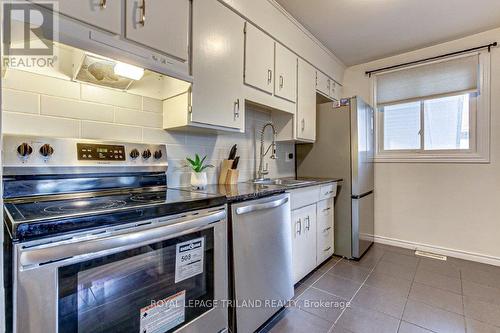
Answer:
(485, 259)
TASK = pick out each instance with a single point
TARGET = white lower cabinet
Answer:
(304, 241)
(312, 228)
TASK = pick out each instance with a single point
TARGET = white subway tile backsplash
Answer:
(20, 101)
(40, 84)
(27, 124)
(153, 135)
(152, 105)
(37, 105)
(110, 96)
(70, 108)
(105, 131)
(138, 118)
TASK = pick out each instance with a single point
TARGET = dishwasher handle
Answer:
(261, 206)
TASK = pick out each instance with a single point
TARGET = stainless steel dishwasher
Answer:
(262, 259)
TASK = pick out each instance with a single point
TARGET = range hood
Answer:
(100, 71)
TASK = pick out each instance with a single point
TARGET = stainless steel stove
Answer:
(97, 242)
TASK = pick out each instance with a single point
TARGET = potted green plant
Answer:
(198, 175)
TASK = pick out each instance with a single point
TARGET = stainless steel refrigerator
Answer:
(344, 148)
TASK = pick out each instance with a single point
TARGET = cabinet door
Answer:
(310, 226)
(285, 84)
(306, 102)
(297, 246)
(105, 14)
(162, 25)
(218, 47)
(259, 59)
(323, 83)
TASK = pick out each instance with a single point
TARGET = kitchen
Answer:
(216, 166)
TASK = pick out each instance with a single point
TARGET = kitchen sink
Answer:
(282, 182)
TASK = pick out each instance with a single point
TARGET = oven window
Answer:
(154, 288)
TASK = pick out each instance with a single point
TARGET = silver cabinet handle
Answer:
(327, 209)
(308, 225)
(282, 81)
(329, 192)
(328, 85)
(102, 4)
(142, 21)
(263, 206)
(236, 109)
(303, 124)
(327, 249)
(51, 252)
(299, 223)
(327, 229)
(269, 76)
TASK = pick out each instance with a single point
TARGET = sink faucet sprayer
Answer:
(262, 172)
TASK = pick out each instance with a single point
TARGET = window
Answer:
(436, 112)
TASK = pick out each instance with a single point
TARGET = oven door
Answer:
(166, 276)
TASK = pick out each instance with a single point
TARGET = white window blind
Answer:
(458, 75)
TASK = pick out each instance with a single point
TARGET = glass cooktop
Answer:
(57, 209)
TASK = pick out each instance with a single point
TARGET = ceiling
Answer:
(358, 31)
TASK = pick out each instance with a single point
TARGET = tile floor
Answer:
(392, 290)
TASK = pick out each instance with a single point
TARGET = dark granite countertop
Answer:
(240, 191)
(248, 190)
(315, 181)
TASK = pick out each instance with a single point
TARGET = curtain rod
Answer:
(488, 46)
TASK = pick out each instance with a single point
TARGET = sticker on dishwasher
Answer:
(163, 315)
(189, 259)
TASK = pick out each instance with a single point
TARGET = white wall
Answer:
(40, 105)
(450, 206)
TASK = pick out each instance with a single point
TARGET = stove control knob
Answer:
(24, 149)
(158, 154)
(134, 154)
(46, 150)
(146, 154)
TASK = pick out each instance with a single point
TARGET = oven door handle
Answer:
(53, 252)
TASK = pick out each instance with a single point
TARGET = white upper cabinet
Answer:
(259, 59)
(285, 83)
(335, 91)
(104, 14)
(323, 83)
(162, 25)
(306, 102)
(218, 49)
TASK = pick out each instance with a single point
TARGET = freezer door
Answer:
(362, 224)
(362, 146)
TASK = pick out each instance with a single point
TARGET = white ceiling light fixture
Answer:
(129, 71)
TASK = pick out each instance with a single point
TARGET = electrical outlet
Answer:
(289, 157)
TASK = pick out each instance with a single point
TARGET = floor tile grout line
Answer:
(408, 296)
(357, 291)
(311, 285)
(463, 302)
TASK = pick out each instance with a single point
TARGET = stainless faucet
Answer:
(262, 172)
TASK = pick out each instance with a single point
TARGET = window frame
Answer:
(479, 135)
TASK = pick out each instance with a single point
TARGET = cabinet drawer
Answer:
(325, 208)
(324, 245)
(328, 191)
(304, 197)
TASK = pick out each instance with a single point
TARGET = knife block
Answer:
(232, 176)
(225, 166)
